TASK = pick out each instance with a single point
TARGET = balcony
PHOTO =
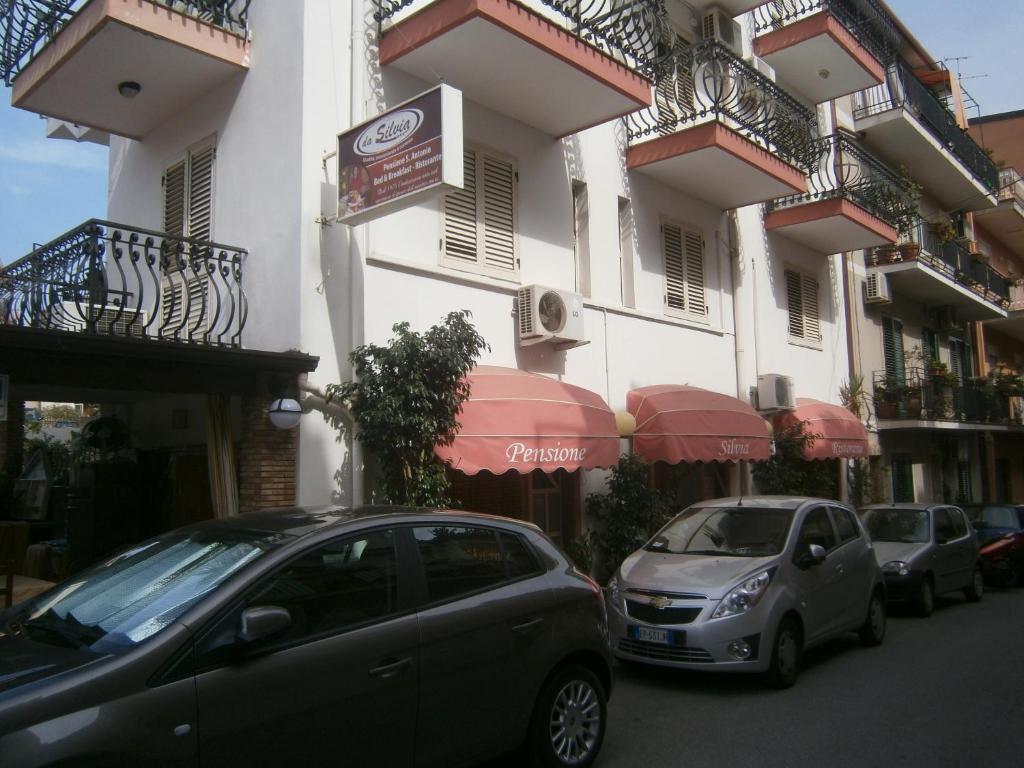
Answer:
(721, 131)
(853, 202)
(116, 281)
(909, 126)
(943, 273)
(557, 65)
(826, 48)
(923, 399)
(119, 66)
(1006, 220)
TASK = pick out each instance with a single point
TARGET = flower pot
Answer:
(887, 410)
(909, 251)
(912, 405)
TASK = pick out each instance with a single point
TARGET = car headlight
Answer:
(896, 566)
(614, 596)
(745, 596)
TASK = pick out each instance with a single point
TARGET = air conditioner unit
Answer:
(717, 24)
(774, 392)
(946, 319)
(110, 320)
(876, 289)
(549, 314)
(760, 65)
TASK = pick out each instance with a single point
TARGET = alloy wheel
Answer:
(575, 722)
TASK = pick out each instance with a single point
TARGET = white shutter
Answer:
(695, 273)
(802, 295)
(460, 218)
(174, 198)
(812, 324)
(794, 295)
(498, 214)
(675, 269)
(200, 193)
(179, 297)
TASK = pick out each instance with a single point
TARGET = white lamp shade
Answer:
(285, 413)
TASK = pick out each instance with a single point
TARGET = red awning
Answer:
(677, 423)
(524, 421)
(838, 433)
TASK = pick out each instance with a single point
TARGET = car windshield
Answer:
(1000, 517)
(733, 531)
(895, 524)
(117, 604)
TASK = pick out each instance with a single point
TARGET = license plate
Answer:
(660, 636)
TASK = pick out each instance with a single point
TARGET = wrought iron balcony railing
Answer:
(866, 20)
(951, 259)
(113, 280)
(708, 82)
(26, 26)
(903, 89)
(921, 394)
(625, 29)
(843, 169)
(1011, 186)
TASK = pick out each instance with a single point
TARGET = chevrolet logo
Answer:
(660, 602)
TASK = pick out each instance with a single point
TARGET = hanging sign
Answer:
(411, 152)
(5, 382)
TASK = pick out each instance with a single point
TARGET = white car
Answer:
(747, 584)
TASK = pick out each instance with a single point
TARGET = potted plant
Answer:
(912, 402)
(889, 392)
(943, 230)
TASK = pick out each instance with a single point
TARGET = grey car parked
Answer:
(745, 585)
(312, 637)
(924, 550)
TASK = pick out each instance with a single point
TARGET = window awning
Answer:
(677, 423)
(523, 421)
(838, 433)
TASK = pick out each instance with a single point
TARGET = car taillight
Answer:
(595, 588)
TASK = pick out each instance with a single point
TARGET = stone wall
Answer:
(267, 459)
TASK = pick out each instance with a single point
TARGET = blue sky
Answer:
(47, 186)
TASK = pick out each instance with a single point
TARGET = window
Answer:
(581, 236)
(344, 584)
(802, 295)
(460, 560)
(929, 344)
(959, 523)
(816, 529)
(892, 348)
(683, 251)
(480, 219)
(188, 193)
(944, 528)
(845, 525)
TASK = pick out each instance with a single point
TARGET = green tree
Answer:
(787, 472)
(406, 397)
(627, 515)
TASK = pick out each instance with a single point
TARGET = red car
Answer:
(1000, 529)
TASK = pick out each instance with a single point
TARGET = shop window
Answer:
(480, 220)
(683, 252)
(802, 303)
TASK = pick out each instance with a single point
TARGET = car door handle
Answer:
(390, 667)
(527, 626)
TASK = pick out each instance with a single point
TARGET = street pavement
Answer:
(943, 691)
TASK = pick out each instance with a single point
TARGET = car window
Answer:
(845, 525)
(959, 524)
(816, 529)
(458, 560)
(944, 528)
(346, 583)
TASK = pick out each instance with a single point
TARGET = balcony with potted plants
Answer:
(826, 48)
(931, 396)
(932, 266)
(853, 201)
(119, 66)
(721, 131)
(906, 123)
(558, 65)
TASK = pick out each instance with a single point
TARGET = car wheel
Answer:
(873, 631)
(786, 651)
(568, 724)
(925, 602)
(976, 589)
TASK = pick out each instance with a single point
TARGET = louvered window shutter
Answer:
(460, 215)
(795, 297)
(675, 268)
(694, 244)
(200, 194)
(498, 215)
(892, 347)
(812, 325)
(956, 359)
(174, 199)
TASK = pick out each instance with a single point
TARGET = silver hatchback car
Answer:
(746, 584)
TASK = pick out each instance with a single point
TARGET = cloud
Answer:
(53, 153)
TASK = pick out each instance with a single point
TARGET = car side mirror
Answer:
(261, 622)
(815, 555)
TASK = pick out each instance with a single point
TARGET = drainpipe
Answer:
(744, 314)
(359, 234)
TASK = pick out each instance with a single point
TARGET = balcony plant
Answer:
(940, 375)
(1007, 382)
(889, 392)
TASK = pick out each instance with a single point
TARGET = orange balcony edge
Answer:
(141, 15)
(822, 23)
(826, 209)
(714, 135)
(442, 16)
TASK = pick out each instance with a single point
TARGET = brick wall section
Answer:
(11, 450)
(267, 459)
